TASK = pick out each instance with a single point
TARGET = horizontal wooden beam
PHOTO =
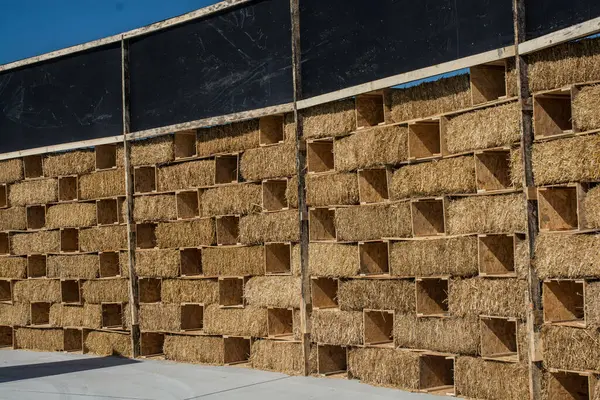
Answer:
(574, 32)
(62, 147)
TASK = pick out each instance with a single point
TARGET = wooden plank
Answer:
(561, 36)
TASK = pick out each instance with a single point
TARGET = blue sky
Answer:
(32, 27)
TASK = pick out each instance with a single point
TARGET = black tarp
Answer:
(546, 16)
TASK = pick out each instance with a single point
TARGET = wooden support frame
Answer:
(145, 179)
(68, 188)
(39, 313)
(112, 316)
(228, 230)
(192, 317)
(321, 223)
(70, 291)
(499, 338)
(280, 323)
(493, 170)
(145, 236)
(332, 360)
(4, 243)
(373, 185)
(6, 336)
(488, 82)
(187, 204)
(324, 293)
(73, 340)
(432, 297)
(378, 328)
(236, 350)
(552, 113)
(149, 290)
(69, 240)
(320, 156)
(151, 344)
(273, 195)
(6, 291)
(184, 144)
(190, 262)
(105, 156)
(571, 385)
(36, 217)
(426, 140)
(496, 254)
(3, 195)
(428, 217)
(32, 166)
(436, 374)
(271, 130)
(36, 266)
(369, 110)
(109, 264)
(227, 169)
(278, 258)
(564, 302)
(373, 258)
(231, 292)
(107, 211)
(560, 208)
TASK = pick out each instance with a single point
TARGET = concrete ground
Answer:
(28, 375)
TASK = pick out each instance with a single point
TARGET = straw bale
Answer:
(373, 222)
(571, 62)
(228, 138)
(186, 175)
(512, 89)
(105, 291)
(39, 191)
(450, 335)
(356, 295)
(479, 379)
(479, 296)
(385, 367)
(14, 314)
(14, 218)
(268, 162)
(291, 192)
(289, 128)
(13, 267)
(124, 263)
(103, 238)
(567, 256)
(522, 259)
(69, 163)
(71, 215)
(157, 263)
(295, 260)
(152, 151)
(591, 208)
(484, 128)
(487, 214)
(584, 108)
(108, 343)
(100, 184)
(11, 170)
(199, 232)
(160, 207)
(231, 199)
(205, 291)
(37, 290)
(337, 327)
(574, 159)
(87, 315)
(39, 339)
(333, 259)
(233, 261)
(331, 119)
(82, 266)
(517, 171)
(273, 291)
(431, 98)
(455, 256)
(331, 189)
(282, 226)
(194, 349)
(248, 321)
(449, 176)
(35, 243)
(592, 304)
(378, 146)
(160, 317)
(285, 357)
(571, 348)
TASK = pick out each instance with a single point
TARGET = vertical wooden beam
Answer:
(534, 311)
(131, 239)
(305, 304)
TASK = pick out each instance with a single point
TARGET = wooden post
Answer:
(131, 237)
(305, 305)
(534, 319)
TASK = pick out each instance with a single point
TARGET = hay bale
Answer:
(574, 159)
(487, 214)
(233, 261)
(333, 260)
(87, 315)
(13, 218)
(14, 314)
(337, 327)
(571, 62)
(39, 191)
(160, 207)
(248, 321)
(281, 226)
(448, 176)
(585, 117)
(273, 291)
(69, 163)
(186, 175)
(331, 189)
(291, 192)
(373, 222)
(488, 127)
(431, 98)
(205, 291)
(158, 317)
(71, 215)
(81, 266)
(356, 295)
(105, 291)
(554, 256)
(455, 256)
(512, 89)
(35, 243)
(479, 379)
(231, 199)
(156, 150)
(101, 184)
(198, 232)
(268, 162)
(385, 367)
(270, 355)
(194, 349)
(517, 170)
(289, 128)
(13, 267)
(522, 258)
(157, 263)
(592, 304)
(591, 208)
(103, 238)
(449, 335)
(332, 119)
(108, 344)
(571, 348)
(37, 290)
(375, 147)
(229, 138)
(39, 339)
(11, 170)
(480, 296)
